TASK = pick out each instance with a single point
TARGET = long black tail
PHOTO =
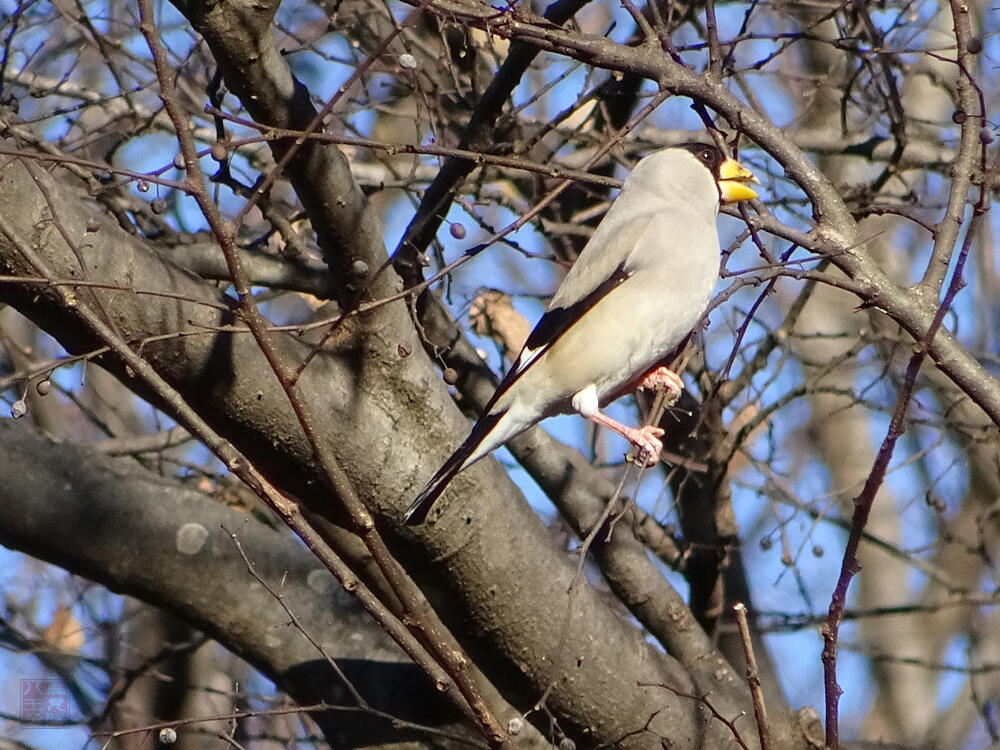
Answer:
(416, 514)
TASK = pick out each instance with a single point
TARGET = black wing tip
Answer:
(417, 513)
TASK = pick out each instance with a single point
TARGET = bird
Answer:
(636, 291)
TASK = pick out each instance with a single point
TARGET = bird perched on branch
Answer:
(635, 292)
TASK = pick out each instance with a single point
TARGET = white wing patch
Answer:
(528, 356)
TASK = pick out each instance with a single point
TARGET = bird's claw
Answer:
(647, 444)
(663, 379)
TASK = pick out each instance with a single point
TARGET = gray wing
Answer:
(604, 264)
(609, 251)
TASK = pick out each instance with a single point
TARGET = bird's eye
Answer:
(706, 156)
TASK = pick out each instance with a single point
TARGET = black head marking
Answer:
(707, 154)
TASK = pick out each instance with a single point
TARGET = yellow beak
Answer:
(733, 182)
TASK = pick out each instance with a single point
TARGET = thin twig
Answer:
(753, 677)
(279, 597)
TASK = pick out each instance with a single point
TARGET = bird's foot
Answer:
(645, 439)
(648, 445)
(663, 379)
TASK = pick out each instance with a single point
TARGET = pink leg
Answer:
(646, 439)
